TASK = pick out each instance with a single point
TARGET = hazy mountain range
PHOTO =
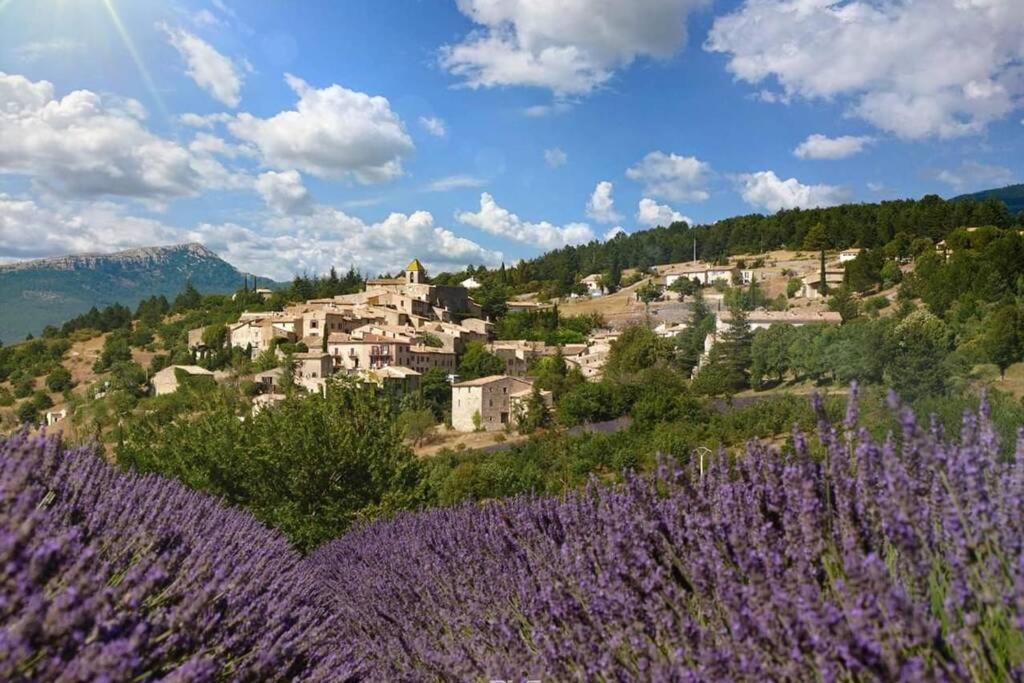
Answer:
(49, 291)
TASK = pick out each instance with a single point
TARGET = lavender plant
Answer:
(848, 559)
(118, 577)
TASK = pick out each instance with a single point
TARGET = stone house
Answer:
(493, 398)
(312, 370)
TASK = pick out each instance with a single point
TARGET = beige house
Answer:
(811, 287)
(170, 378)
(312, 370)
(403, 380)
(370, 351)
(492, 398)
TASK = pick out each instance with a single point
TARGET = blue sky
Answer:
(291, 137)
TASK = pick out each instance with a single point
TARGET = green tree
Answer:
(916, 351)
(1003, 339)
(843, 303)
(636, 349)
(733, 350)
(477, 362)
(817, 240)
(415, 424)
(769, 352)
(647, 293)
(59, 379)
(310, 467)
(533, 413)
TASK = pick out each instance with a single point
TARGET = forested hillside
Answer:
(862, 225)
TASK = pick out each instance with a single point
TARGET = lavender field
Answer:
(846, 559)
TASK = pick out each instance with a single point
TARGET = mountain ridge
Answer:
(50, 291)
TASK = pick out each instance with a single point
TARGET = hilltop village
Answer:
(399, 328)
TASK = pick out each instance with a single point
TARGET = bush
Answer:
(59, 379)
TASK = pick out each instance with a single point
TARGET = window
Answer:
(313, 324)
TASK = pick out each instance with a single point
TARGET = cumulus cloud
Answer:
(672, 177)
(650, 213)
(601, 206)
(973, 176)
(32, 230)
(333, 132)
(434, 126)
(85, 145)
(555, 157)
(917, 69)
(277, 246)
(454, 182)
(286, 245)
(568, 48)
(766, 190)
(496, 220)
(821, 147)
(284, 192)
(211, 71)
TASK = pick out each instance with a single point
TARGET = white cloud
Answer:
(566, 47)
(972, 176)
(205, 18)
(211, 71)
(650, 213)
(31, 230)
(672, 177)
(86, 145)
(434, 125)
(601, 206)
(287, 245)
(555, 157)
(454, 182)
(333, 132)
(766, 190)
(279, 246)
(821, 147)
(204, 120)
(496, 220)
(537, 111)
(32, 52)
(915, 68)
(284, 192)
(614, 232)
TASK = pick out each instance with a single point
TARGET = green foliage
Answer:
(436, 392)
(636, 349)
(1003, 339)
(793, 286)
(415, 423)
(116, 348)
(310, 467)
(843, 303)
(548, 326)
(59, 379)
(532, 413)
(477, 362)
(916, 351)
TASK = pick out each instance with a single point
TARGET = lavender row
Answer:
(849, 559)
(112, 576)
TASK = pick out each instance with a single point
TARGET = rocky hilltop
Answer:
(51, 290)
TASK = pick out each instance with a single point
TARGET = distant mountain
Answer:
(49, 291)
(1011, 195)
